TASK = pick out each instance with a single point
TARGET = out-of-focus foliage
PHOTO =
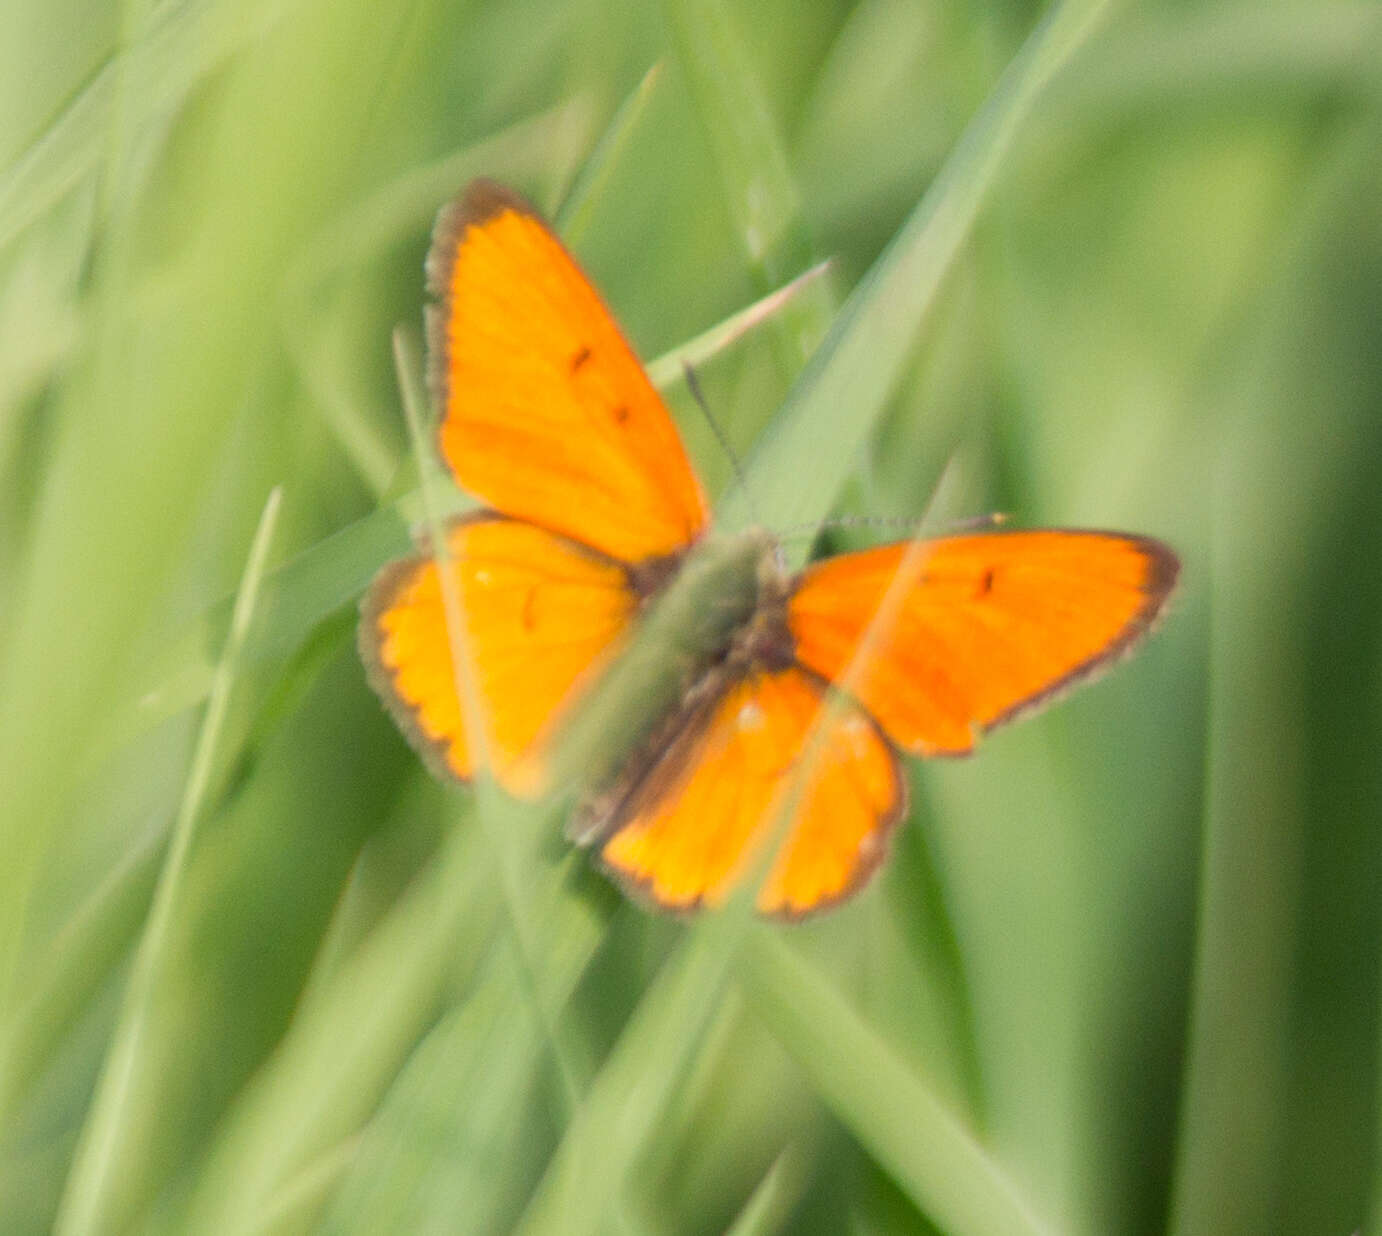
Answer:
(1097, 266)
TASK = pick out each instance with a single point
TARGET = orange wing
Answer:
(689, 827)
(541, 613)
(995, 624)
(547, 414)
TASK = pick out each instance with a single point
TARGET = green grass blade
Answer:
(297, 597)
(1239, 1082)
(295, 1207)
(671, 367)
(578, 205)
(140, 422)
(181, 47)
(579, 1191)
(479, 1090)
(772, 1201)
(800, 463)
(931, 1154)
(93, 1200)
(755, 174)
(79, 962)
(347, 1044)
(507, 847)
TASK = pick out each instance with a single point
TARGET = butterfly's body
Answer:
(723, 596)
(687, 680)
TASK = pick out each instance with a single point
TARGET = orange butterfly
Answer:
(549, 418)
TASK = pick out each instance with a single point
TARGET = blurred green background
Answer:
(1094, 264)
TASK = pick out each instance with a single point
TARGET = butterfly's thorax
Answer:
(723, 602)
(764, 641)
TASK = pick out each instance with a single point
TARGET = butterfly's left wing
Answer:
(698, 811)
(994, 624)
(541, 616)
(546, 413)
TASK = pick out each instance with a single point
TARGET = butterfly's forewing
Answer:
(547, 415)
(995, 624)
(541, 615)
(698, 815)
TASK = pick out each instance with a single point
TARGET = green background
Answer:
(1094, 264)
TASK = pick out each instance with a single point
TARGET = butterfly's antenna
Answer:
(912, 526)
(694, 386)
(891, 522)
(897, 523)
(980, 523)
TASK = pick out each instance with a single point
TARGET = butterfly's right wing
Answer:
(542, 616)
(993, 625)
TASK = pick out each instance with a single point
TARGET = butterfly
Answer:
(592, 512)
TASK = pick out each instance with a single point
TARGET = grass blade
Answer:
(802, 460)
(1239, 1086)
(182, 46)
(578, 205)
(93, 942)
(772, 1201)
(93, 1196)
(346, 1046)
(755, 175)
(580, 1189)
(671, 366)
(930, 1153)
